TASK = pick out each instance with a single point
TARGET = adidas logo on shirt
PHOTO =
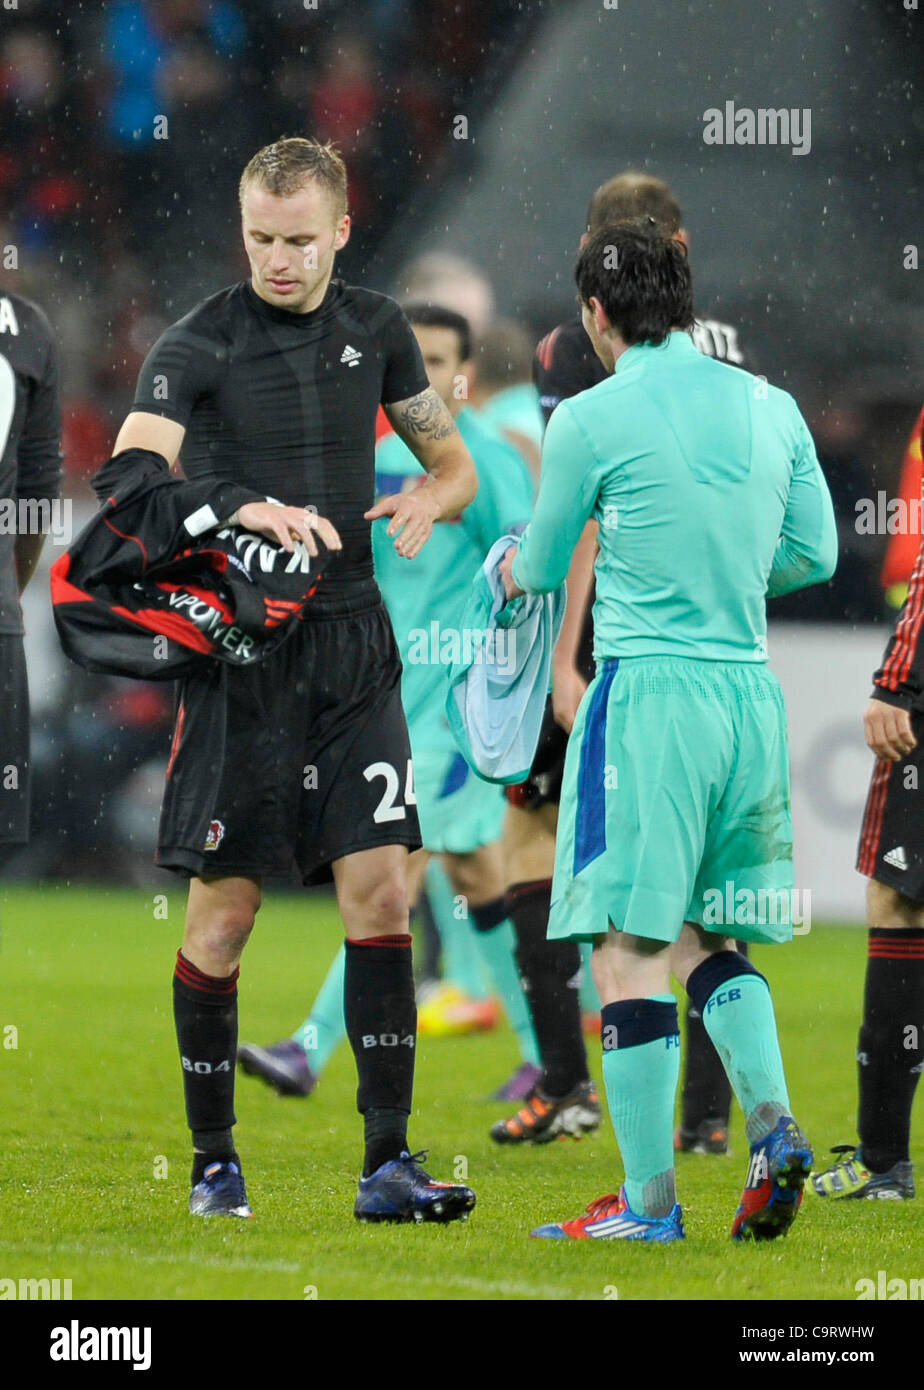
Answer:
(350, 356)
(896, 857)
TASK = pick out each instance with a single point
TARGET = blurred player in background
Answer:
(30, 482)
(461, 816)
(565, 364)
(451, 281)
(275, 384)
(708, 496)
(503, 391)
(890, 1049)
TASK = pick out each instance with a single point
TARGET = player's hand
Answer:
(568, 686)
(511, 589)
(412, 516)
(888, 730)
(288, 525)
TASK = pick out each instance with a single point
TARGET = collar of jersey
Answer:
(271, 311)
(676, 342)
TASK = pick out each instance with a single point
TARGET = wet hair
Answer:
(643, 282)
(286, 166)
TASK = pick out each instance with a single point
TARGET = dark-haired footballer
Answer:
(564, 1099)
(708, 496)
(304, 761)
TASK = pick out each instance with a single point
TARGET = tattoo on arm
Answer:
(423, 416)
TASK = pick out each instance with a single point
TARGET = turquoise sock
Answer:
(325, 1026)
(739, 1019)
(590, 999)
(641, 1064)
(461, 960)
(496, 948)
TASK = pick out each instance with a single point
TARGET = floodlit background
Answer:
(477, 129)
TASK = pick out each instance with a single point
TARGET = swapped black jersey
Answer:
(286, 404)
(30, 434)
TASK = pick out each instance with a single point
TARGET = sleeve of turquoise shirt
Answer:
(504, 498)
(806, 552)
(568, 490)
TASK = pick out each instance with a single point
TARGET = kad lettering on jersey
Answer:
(260, 554)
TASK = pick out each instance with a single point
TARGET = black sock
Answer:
(706, 1088)
(381, 1023)
(205, 1013)
(891, 1050)
(427, 945)
(487, 916)
(551, 977)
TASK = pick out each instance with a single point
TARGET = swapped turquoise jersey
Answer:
(709, 497)
(425, 596)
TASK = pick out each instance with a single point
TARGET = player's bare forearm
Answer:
(426, 426)
(579, 582)
(27, 550)
(568, 685)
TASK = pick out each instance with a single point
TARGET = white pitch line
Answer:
(123, 1252)
(492, 1286)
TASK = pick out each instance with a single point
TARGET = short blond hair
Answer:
(284, 167)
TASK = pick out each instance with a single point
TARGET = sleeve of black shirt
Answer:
(900, 678)
(39, 465)
(405, 374)
(180, 368)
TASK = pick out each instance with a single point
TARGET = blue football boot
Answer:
(778, 1168)
(220, 1193)
(400, 1190)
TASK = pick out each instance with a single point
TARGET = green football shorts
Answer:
(675, 804)
(457, 810)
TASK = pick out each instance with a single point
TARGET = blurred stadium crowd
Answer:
(126, 126)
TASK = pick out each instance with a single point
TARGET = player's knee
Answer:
(887, 907)
(223, 932)
(379, 908)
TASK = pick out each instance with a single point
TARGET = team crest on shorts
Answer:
(216, 834)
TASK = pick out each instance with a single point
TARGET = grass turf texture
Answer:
(91, 1104)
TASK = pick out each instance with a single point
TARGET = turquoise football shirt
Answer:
(709, 497)
(425, 596)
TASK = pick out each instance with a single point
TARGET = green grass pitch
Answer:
(91, 1106)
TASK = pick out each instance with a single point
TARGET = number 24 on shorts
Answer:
(387, 808)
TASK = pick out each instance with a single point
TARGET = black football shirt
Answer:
(30, 430)
(286, 403)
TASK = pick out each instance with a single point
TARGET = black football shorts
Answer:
(295, 762)
(891, 848)
(14, 742)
